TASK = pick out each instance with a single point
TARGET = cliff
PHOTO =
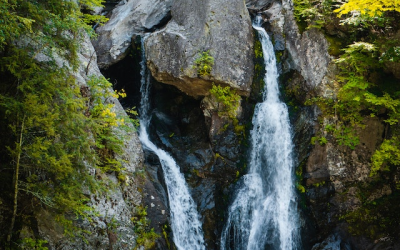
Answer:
(338, 79)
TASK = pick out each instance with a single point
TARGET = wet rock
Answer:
(178, 125)
(303, 128)
(127, 19)
(155, 198)
(333, 242)
(204, 195)
(308, 51)
(343, 170)
(196, 27)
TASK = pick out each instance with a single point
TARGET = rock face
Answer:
(307, 52)
(333, 175)
(258, 4)
(221, 27)
(209, 155)
(113, 227)
(127, 19)
(209, 166)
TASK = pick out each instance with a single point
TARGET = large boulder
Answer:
(221, 27)
(127, 19)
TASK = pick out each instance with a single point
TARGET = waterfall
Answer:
(185, 222)
(263, 214)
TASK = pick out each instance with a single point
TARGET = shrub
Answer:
(204, 63)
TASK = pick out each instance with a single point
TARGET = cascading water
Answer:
(185, 223)
(263, 214)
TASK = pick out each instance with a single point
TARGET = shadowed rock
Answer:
(127, 19)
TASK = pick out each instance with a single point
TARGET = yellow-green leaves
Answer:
(369, 7)
(229, 100)
(258, 49)
(12, 23)
(388, 153)
(62, 130)
(204, 63)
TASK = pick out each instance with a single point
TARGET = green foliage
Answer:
(228, 105)
(13, 24)
(165, 230)
(391, 55)
(258, 49)
(133, 114)
(304, 11)
(299, 179)
(335, 45)
(47, 102)
(319, 184)
(363, 91)
(357, 94)
(103, 120)
(204, 63)
(357, 64)
(228, 100)
(322, 140)
(312, 13)
(51, 126)
(47, 24)
(366, 86)
(301, 188)
(375, 218)
(359, 14)
(33, 244)
(146, 236)
(347, 137)
(387, 154)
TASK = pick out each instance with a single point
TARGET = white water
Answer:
(185, 223)
(263, 214)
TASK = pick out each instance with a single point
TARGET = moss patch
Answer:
(335, 45)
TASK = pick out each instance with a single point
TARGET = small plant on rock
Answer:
(146, 236)
(228, 104)
(228, 99)
(204, 63)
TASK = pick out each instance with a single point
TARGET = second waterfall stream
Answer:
(263, 214)
(185, 221)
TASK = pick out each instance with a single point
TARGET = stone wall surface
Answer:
(128, 18)
(221, 27)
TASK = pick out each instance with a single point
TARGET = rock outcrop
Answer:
(221, 27)
(307, 51)
(333, 175)
(127, 19)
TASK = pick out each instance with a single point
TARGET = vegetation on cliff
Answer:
(204, 63)
(57, 136)
(364, 38)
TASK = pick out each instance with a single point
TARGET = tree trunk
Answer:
(16, 175)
